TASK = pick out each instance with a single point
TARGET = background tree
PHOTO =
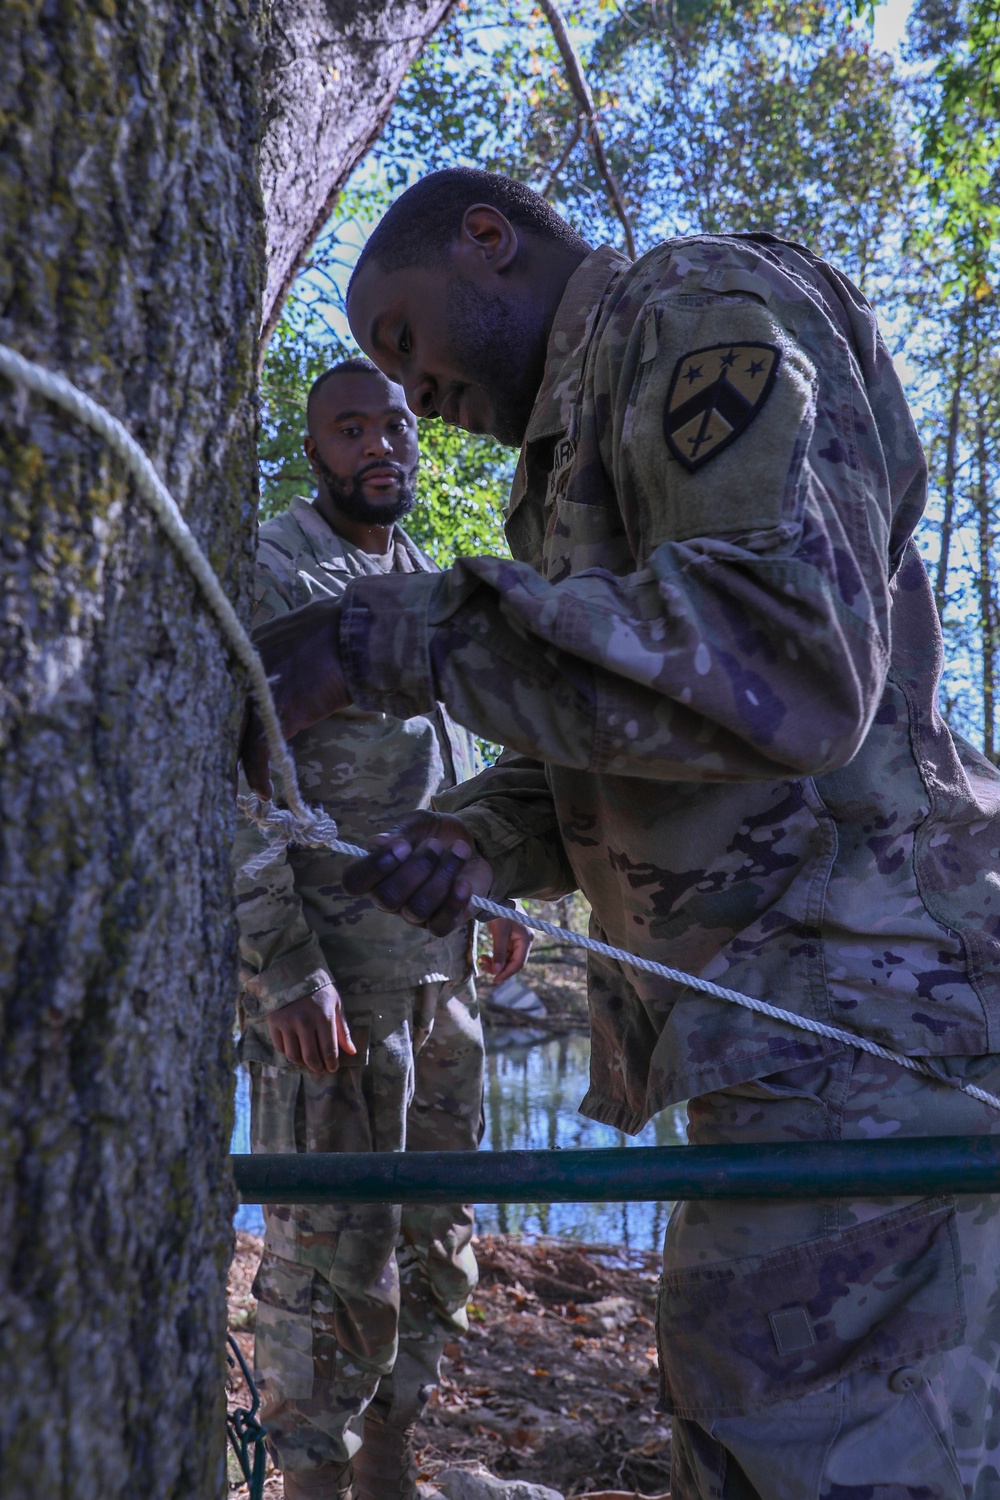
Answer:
(130, 259)
(951, 315)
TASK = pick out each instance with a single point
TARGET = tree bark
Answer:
(950, 466)
(987, 591)
(131, 259)
(331, 71)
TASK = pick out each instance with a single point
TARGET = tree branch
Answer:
(567, 152)
(581, 91)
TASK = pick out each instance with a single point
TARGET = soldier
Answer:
(714, 661)
(360, 1034)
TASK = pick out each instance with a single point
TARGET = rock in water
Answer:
(460, 1484)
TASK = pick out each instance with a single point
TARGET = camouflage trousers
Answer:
(356, 1302)
(835, 1349)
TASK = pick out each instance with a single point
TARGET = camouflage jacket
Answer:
(714, 662)
(298, 928)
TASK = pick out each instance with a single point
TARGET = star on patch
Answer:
(714, 395)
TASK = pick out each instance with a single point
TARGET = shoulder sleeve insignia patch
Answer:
(714, 395)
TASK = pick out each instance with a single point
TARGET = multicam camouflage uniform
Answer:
(715, 663)
(355, 1303)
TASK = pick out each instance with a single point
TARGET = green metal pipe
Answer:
(919, 1166)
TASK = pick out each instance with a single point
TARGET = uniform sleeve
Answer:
(752, 642)
(510, 814)
(280, 957)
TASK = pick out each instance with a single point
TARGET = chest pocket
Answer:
(584, 536)
(581, 535)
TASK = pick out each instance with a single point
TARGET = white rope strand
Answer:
(282, 823)
(301, 824)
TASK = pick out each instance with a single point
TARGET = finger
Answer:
(311, 1045)
(437, 887)
(453, 911)
(386, 851)
(330, 1046)
(396, 892)
(361, 876)
(277, 1038)
(344, 1035)
(291, 1048)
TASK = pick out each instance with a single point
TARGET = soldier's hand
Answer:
(426, 869)
(301, 655)
(511, 945)
(312, 1031)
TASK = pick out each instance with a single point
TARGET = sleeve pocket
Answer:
(740, 1334)
(718, 422)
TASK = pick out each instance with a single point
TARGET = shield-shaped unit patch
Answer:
(714, 395)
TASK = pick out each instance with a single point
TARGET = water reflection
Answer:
(531, 1102)
(531, 1099)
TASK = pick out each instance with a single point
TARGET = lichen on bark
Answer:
(130, 259)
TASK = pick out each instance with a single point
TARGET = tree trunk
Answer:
(331, 72)
(987, 592)
(131, 260)
(950, 466)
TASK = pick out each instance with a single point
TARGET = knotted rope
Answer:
(301, 824)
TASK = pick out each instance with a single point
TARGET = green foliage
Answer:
(464, 482)
(961, 132)
(717, 115)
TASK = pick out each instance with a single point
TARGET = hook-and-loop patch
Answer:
(714, 395)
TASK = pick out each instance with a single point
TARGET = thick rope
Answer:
(301, 824)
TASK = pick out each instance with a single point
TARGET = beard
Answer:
(350, 499)
(491, 336)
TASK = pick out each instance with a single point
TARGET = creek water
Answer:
(533, 1088)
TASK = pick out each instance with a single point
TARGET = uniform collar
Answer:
(335, 551)
(568, 340)
(328, 546)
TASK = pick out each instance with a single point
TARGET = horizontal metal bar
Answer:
(919, 1166)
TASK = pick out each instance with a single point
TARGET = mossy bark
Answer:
(131, 260)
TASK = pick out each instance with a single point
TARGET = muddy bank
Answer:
(555, 1382)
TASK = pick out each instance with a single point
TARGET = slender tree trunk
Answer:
(950, 468)
(987, 590)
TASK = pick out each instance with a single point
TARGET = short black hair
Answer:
(425, 221)
(356, 364)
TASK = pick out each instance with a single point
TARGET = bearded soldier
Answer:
(714, 661)
(360, 1034)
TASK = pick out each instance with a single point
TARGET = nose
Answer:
(377, 444)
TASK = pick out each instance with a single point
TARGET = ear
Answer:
(487, 239)
(309, 447)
